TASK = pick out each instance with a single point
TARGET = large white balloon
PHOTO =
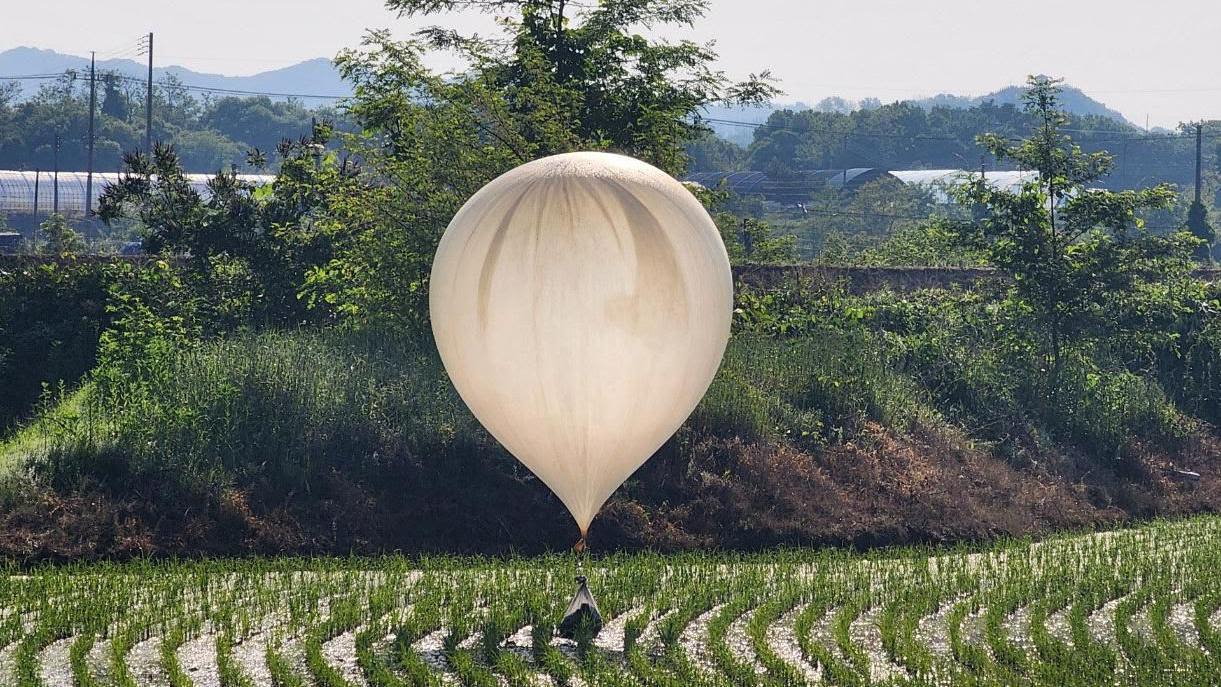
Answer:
(581, 304)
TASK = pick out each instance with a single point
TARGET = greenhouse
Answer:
(940, 181)
(65, 192)
(788, 189)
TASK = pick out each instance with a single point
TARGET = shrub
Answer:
(51, 315)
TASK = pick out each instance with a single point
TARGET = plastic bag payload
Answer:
(582, 613)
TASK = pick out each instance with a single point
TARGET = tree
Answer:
(576, 75)
(562, 76)
(114, 101)
(58, 237)
(246, 249)
(711, 153)
(1071, 250)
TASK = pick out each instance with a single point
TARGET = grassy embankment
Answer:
(877, 420)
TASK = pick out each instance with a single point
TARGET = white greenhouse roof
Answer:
(17, 190)
(939, 181)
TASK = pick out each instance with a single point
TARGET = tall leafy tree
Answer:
(1074, 252)
(577, 75)
(561, 76)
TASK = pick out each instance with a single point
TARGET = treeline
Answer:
(906, 135)
(208, 133)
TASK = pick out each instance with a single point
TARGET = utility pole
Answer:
(55, 179)
(148, 101)
(1199, 139)
(93, 95)
(1197, 215)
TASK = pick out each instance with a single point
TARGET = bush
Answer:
(51, 315)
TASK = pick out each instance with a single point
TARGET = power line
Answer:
(186, 86)
(129, 47)
(34, 77)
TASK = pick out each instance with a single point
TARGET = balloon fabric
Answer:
(581, 304)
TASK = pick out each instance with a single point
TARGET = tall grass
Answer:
(278, 407)
(281, 408)
(812, 389)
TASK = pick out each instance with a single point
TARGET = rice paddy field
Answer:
(1139, 606)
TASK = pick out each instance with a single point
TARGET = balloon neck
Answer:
(581, 545)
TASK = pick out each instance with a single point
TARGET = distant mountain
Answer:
(319, 77)
(1072, 99)
(315, 77)
(735, 123)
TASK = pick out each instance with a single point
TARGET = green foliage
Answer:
(209, 135)
(967, 358)
(844, 228)
(564, 78)
(1071, 250)
(811, 390)
(247, 250)
(907, 135)
(51, 316)
(754, 242)
(711, 153)
(272, 409)
(930, 244)
(747, 240)
(58, 237)
(154, 316)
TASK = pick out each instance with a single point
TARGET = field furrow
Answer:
(197, 656)
(694, 640)
(782, 639)
(53, 665)
(144, 663)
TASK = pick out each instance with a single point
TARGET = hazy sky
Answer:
(1156, 59)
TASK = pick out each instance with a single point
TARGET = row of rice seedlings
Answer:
(480, 603)
(322, 596)
(743, 596)
(1022, 584)
(926, 590)
(1161, 655)
(644, 653)
(779, 601)
(821, 607)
